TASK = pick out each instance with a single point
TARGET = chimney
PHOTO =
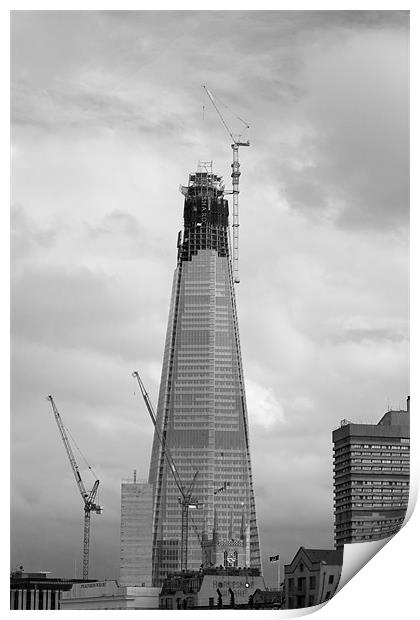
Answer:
(408, 404)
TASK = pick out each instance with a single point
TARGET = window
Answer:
(312, 582)
(311, 600)
(331, 579)
(291, 584)
(327, 596)
(301, 583)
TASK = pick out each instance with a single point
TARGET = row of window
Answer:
(387, 446)
(371, 505)
(376, 483)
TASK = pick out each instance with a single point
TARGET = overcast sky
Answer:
(108, 120)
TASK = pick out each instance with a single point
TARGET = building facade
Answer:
(36, 590)
(202, 407)
(109, 595)
(267, 599)
(210, 588)
(371, 477)
(136, 534)
(312, 577)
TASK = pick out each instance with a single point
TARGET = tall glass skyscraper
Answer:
(202, 408)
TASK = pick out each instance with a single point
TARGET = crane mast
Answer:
(89, 504)
(236, 143)
(186, 501)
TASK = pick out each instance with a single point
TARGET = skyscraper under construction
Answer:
(201, 412)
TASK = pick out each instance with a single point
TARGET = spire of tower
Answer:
(242, 535)
(215, 526)
(230, 532)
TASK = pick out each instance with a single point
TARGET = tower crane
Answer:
(186, 500)
(89, 498)
(236, 143)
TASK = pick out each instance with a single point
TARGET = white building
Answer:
(109, 595)
(136, 533)
(312, 577)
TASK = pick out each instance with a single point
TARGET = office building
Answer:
(371, 477)
(312, 577)
(136, 533)
(202, 407)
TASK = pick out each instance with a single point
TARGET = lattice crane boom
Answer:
(186, 500)
(236, 143)
(89, 504)
(69, 451)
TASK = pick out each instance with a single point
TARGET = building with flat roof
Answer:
(109, 594)
(136, 533)
(201, 411)
(371, 477)
(36, 590)
(312, 577)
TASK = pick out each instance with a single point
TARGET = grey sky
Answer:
(108, 120)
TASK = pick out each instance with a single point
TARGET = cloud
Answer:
(108, 121)
(263, 408)
(363, 115)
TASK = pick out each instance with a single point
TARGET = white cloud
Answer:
(263, 407)
(109, 122)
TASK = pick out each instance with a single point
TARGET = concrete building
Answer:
(36, 590)
(109, 595)
(312, 577)
(210, 588)
(202, 407)
(371, 477)
(136, 533)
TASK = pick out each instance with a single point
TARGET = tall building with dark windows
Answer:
(371, 477)
(202, 407)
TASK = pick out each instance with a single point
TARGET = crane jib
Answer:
(87, 500)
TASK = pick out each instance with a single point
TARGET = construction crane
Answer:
(186, 500)
(89, 504)
(236, 143)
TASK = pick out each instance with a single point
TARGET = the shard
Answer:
(202, 410)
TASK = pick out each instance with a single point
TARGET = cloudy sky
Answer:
(108, 120)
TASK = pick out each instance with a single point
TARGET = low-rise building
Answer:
(312, 577)
(109, 594)
(36, 590)
(267, 599)
(210, 588)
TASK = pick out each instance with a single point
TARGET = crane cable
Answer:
(231, 111)
(80, 452)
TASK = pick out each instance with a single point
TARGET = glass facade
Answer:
(202, 408)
